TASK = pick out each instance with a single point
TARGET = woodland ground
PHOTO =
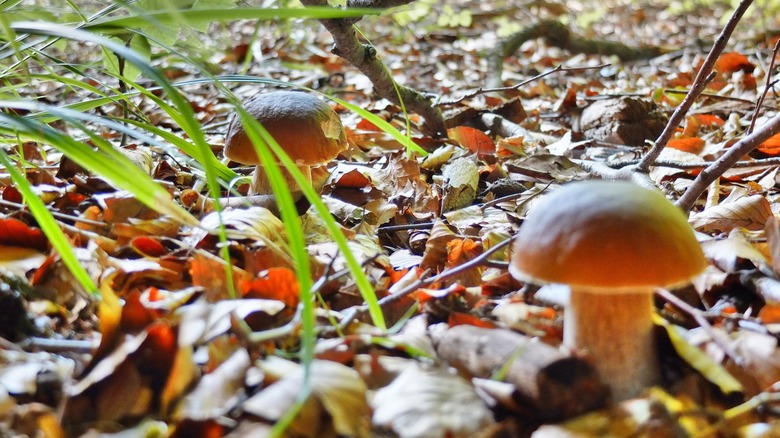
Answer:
(180, 356)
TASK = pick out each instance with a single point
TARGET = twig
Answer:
(774, 161)
(726, 161)
(603, 171)
(405, 227)
(702, 78)
(80, 346)
(698, 316)
(59, 215)
(768, 85)
(718, 97)
(423, 281)
(365, 58)
(482, 90)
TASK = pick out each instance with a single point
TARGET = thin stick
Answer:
(765, 162)
(698, 316)
(702, 78)
(482, 90)
(457, 270)
(768, 85)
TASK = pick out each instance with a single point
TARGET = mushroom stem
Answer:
(616, 331)
(261, 186)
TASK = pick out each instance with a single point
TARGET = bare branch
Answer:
(702, 78)
(769, 84)
(365, 58)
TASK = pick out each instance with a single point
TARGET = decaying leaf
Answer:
(461, 178)
(430, 403)
(750, 212)
(338, 401)
(219, 391)
(757, 365)
(697, 359)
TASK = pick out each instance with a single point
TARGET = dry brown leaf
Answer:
(430, 403)
(759, 356)
(730, 253)
(219, 391)
(750, 212)
(435, 255)
(202, 321)
(438, 157)
(255, 223)
(337, 391)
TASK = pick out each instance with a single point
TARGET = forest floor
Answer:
(170, 347)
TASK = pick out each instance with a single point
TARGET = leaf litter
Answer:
(169, 349)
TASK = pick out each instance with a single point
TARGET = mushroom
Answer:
(307, 128)
(612, 243)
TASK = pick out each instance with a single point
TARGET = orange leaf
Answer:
(708, 120)
(457, 318)
(473, 139)
(354, 180)
(159, 349)
(148, 246)
(732, 62)
(277, 284)
(135, 316)
(14, 232)
(366, 126)
(460, 251)
(771, 146)
(770, 314)
(695, 122)
(692, 145)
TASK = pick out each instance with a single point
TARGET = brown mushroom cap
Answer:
(606, 234)
(305, 127)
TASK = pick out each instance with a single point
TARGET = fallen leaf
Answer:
(771, 146)
(338, 395)
(731, 62)
(692, 145)
(274, 284)
(430, 403)
(219, 391)
(14, 232)
(749, 212)
(472, 139)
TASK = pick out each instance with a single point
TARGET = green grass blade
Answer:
(49, 225)
(109, 163)
(271, 147)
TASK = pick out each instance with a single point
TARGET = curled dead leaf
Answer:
(750, 212)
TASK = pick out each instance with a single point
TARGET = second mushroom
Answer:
(307, 128)
(612, 243)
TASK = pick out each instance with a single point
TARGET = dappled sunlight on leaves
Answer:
(216, 313)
